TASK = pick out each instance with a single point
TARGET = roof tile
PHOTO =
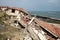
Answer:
(48, 26)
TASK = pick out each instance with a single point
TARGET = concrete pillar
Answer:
(18, 17)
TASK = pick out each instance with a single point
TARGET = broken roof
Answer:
(20, 9)
(49, 27)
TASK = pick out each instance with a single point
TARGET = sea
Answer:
(51, 14)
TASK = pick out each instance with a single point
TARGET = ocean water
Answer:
(51, 14)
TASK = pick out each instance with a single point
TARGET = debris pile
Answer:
(31, 28)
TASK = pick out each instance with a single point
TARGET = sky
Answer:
(33, 5)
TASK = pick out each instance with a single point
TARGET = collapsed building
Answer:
(35, 28)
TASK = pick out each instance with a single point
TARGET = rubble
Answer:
(33, 28)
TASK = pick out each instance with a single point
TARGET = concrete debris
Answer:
(37, 29)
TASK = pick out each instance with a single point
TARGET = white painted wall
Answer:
(9, 12)
(16, 12)
(3, 9)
